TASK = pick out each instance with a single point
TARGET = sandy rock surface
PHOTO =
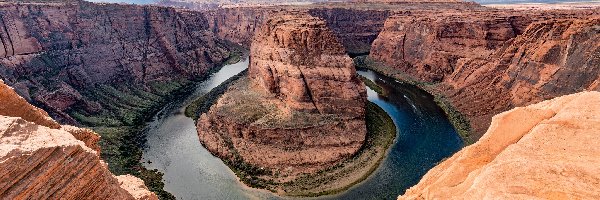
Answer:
(547, 150)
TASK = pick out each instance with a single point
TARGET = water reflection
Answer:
(425, 136)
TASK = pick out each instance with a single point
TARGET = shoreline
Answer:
(346, 173)
(460, 122)
(132, 136)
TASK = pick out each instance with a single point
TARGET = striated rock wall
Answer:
(56, 54)
(14, 105)
(551, 58)
(239, 24)
(356, 28)
(40, 159)
(432, 47)
(38, 162)
(299, 60)
(300, 110)
(543, 151)
(485, 65)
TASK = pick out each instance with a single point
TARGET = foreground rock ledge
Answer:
(301, 110)
(40, 161)
(547, 150)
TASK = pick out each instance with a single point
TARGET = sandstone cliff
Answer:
(60, 55)
(240, 24)
(543, 151)
(302, 108)
(486, 62)
(39, 159)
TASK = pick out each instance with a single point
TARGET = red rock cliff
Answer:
(58, 54)
(486, 65)
(302, 109)
(40, 161)
(299, 60)
(543, 151)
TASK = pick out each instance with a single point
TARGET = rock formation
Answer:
(240, 24)
(56, 55)
(485, 65)
(543, 151)
(40, 161)
(300, 61)
(302, 109)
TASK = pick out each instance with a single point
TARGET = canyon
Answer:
(546, 150)
(111, 67)
(37, 157)
(487, 65)
(301, 108)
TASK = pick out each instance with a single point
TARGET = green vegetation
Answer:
(372, 85)
(203, 103)
(118, 112)
(381, 132)
(121, 121)
(459, 121)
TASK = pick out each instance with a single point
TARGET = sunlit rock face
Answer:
(486, 62)
(543, 151)
(40, 159)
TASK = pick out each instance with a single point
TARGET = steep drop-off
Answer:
(106, 66)
(39, 161)
(66, 56)
(294, 112)
(486, 65)
(240, 24)
(547, 150)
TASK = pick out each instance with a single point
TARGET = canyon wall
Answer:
(302, 107)
(543, 151)
(486, 63)
(39, 159)
(56, 55)
(239, 24)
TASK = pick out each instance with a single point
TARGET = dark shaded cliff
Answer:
(356, 28)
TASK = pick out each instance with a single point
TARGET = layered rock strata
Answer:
(301, 109)
(543, 151)
(47, 161)
(486, 65)
(58, 55)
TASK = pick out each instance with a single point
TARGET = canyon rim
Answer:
(82, 83)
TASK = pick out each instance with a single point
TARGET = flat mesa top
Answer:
(296, 19)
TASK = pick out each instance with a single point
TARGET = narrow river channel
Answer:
(425, 136)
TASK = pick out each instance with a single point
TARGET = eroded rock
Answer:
(547, 150)
(302, 108)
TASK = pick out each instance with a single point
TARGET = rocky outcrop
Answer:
(300, 61)
(38, 162)
(543, 151)
(485, 65)
(40, 159)
(14, 105)
(58, 54)
(302, 108)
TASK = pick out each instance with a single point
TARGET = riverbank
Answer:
(458, 120)
(122, 125)
(338, 178)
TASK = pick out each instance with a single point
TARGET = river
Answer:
(425, 136)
